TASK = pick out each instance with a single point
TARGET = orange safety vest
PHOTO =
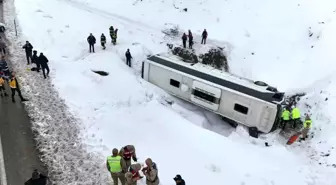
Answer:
(12, 83)
(2, 82)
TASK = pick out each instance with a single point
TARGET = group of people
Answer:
(41, 61)
(8, 77)
(291, 117)
(190, 38)
(120, 166)
(113, 34)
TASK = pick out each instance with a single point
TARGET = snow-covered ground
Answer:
(120, 109)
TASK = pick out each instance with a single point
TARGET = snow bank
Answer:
(121, 108)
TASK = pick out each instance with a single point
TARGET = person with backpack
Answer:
(204, 36)
(92, 41)
(151, 172)
(191, 39)
(28, 49)
(43, 61)
(128, 58)
(103, 40)
(37, 179)
(184, 40)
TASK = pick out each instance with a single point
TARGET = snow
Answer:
(79, 116)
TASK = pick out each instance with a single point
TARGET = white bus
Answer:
(238, 100)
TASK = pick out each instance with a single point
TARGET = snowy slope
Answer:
(123, 109)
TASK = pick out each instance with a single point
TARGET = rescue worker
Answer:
(184, 40)
(28, 49)
(35, 59)
(4, 67)
(2, 86)
(296, 115)
(115, 36)
(132, 176)
(204, 36)
(117, 167)
(127, 153)
(103, 40)
(128, 58)
(285, 118)
(2, 47)
(191, 39)
(14, 85)
(306, 127)
(43, 61)
(151, 172)
(179, 180)
(37, 179)
(92, 41)
(111, 33)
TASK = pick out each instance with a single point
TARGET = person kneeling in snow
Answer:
(151, 172)
(132, 176)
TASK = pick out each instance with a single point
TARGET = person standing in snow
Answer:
(2, 86)
(43, 61)
(179, 180)
(14, 85)
(306, 127)
(115, 36)
(37, 179)
(117, 167)
(285, 118)
(204, 36)
(191, 39)
(127, 153)
(132, 176)
(103, 40)
(2, 47)
(92, 41)
(184, 40)
(296, 117)
(35, 60)
(4, 67)
(128, 58)
(28, 49)
(151, 172)
(111, 33)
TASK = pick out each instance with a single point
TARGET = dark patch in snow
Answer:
(101, 73)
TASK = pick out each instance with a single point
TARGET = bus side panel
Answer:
(145, 70)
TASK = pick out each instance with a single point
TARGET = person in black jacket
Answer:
(184, 40)
(92, 41)
(36, 61)
(103, 40)
(204, 36)
(43, 61)
(37, 179)
(178, 179)
(128, 57)
(28, 48)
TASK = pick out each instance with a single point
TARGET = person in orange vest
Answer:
(14, 85)
(2, 86)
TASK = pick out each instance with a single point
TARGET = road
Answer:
(20, 155)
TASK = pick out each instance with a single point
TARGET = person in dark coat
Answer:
(111, 33)
(37, 179)
(103, 40)
(28, 49)
(114, 36)
(43, 61)
(204, 36)
(92, 41)
(2, 47)
(36, 61)
(191, 39)
(184, 40)
(4, 67)
(15, 87)
(178, 179)
(128, 57)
